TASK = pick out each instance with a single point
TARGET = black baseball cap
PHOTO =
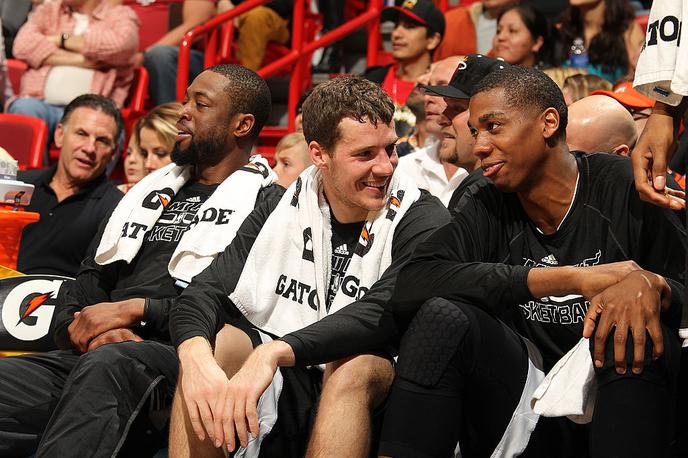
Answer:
(422, 11)
(471, 70)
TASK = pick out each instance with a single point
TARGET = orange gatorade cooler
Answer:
(13, 196)
(11, 226)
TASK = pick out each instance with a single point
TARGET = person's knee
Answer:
(365, 376)
(104, 360)
(662, 369)
(256, 20)
(232, 347)
(431, 341)
(29, 106)
(160, 55)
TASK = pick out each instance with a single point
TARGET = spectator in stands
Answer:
(74, 47)
(160, 55)
(157, 134)
(524, 37)
(5, 84)
(134, 164)
(463, 156)
(298, 119)
(582, 85)
(418, 30)
(471, 28)
(13, 14)
(258, 27)
(600, 124)
(112, 323)
(609, 33)
(73, 197)
(291, 158)
(410, 123)
(636, 103)
(439, 174)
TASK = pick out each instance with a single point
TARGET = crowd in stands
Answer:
(477, 248)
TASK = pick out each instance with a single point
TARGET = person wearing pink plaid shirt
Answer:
(74, 47)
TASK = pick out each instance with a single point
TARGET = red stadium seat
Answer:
(24, 138)
(642, 21)
(16, 69)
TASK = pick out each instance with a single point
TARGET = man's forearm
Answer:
(62, 57)
(553, 281)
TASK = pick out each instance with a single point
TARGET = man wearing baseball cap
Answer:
(470, 72)
(433, 169)
(418, 30)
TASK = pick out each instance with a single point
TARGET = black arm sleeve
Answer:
(368, 324)
(463, 260)
(92, 285)
(204, 306)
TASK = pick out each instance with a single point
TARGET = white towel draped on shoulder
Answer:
(283, 285)
(145, 202)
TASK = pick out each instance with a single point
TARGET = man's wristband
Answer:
(146, 307)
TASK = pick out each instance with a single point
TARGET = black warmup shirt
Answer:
(58, 242)
(204, 307)
(147, 275)
(344, 240)
(483, 257)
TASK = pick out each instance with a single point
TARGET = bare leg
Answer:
(352, 388)
(232, 347)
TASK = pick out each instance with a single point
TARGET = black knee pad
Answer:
(431, 341)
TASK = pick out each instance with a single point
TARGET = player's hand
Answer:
(96, 319)
(595, 279)
(204, 388)
(651, 155)
(245, 389)
(632, 304)
(113, 336)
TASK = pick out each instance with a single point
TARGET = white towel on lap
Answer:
(284, 281)
(569, 389)
(140, 208)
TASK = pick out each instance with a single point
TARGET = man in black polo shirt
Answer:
(72, 197)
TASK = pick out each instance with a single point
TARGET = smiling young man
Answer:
(418, 30)
(337, 237)
(117, 361)
(547, 248)
(74, 196)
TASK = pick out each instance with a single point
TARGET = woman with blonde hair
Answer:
(579, 86)
(134, 164)
(156, 133)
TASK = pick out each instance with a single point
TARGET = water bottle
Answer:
(578, 57)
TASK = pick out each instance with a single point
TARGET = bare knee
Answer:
(232, 347)
(364, 376)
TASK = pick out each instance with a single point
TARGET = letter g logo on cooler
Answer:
(26, 314)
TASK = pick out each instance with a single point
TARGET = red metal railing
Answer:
(300, 52)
